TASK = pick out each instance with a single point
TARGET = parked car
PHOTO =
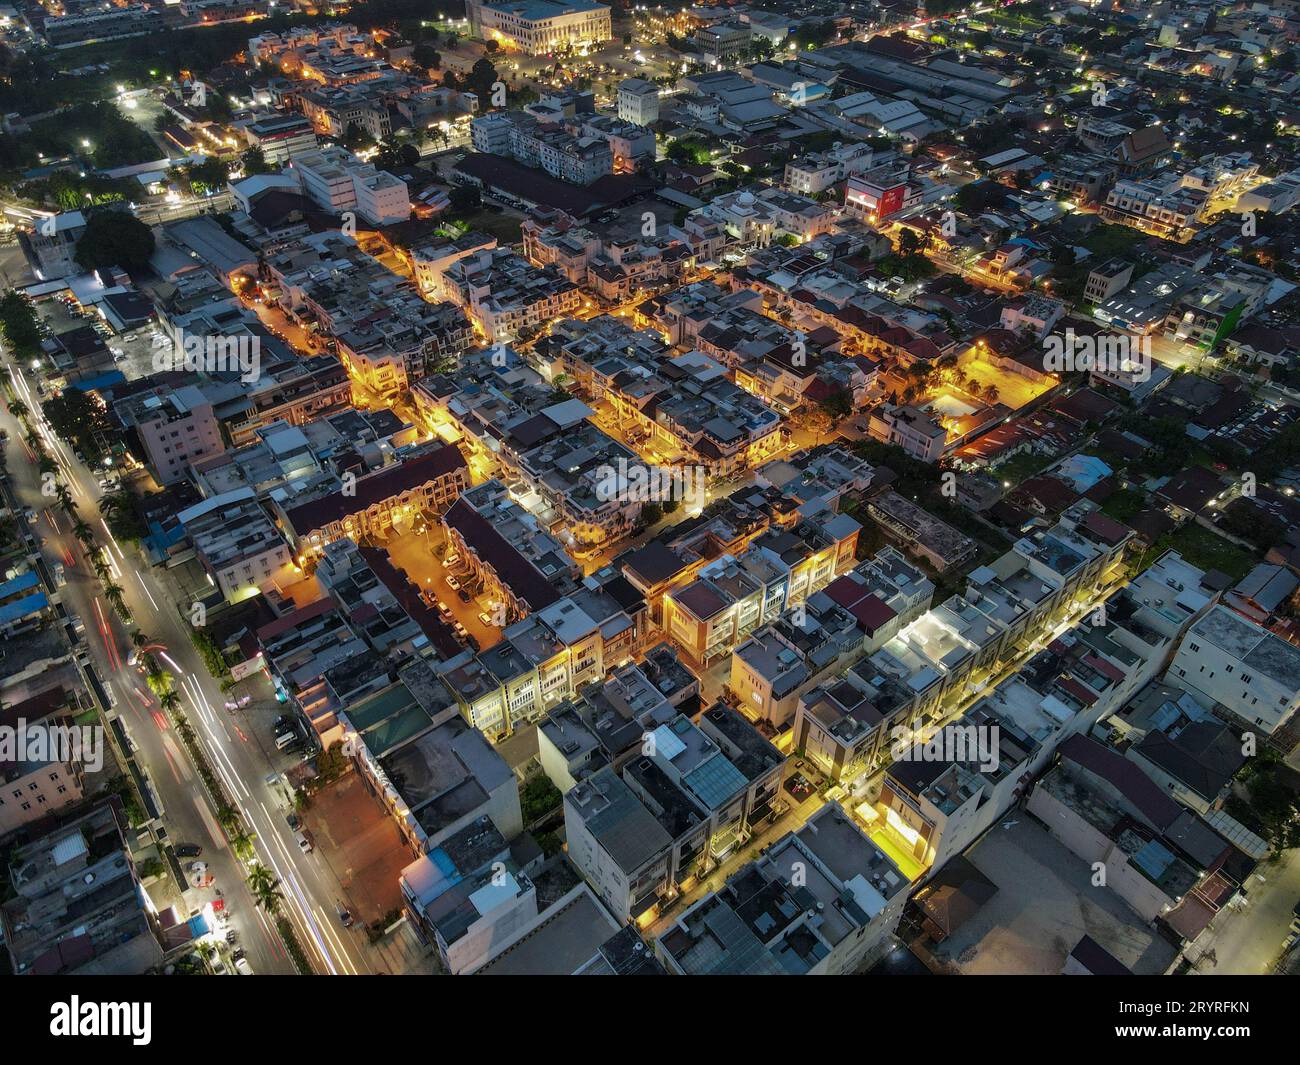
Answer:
(305, 842)
(485, 617)
(465, 597)
(452, 583)
(450, 560)
(242, 967)
(188, 850)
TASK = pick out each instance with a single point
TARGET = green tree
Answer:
(265, 888)
(114, 238)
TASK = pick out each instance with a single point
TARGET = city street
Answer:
(240, 759)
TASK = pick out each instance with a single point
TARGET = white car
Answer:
(450, 560)
(242, 967)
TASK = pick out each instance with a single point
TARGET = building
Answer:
(170, 429)
(34, 787)
(281, 138)
(357, 507)
(922, 534)
(1239, 668)
(539, 26)
(818, 171)
(822, 900)
(337, 181)
(912, 429)
(52, 243)
(506, 295)
(638, 101)
(723, 40)
(431, 772)
(238, 545)
(579, 158)
(78, 908)
(467, 896)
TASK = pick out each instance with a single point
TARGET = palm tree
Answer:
(115, 595)
(265, 888)
(160, 683)
(169, 701)
(227, 817)
(19, 408)
(82, 531)
(242, 844)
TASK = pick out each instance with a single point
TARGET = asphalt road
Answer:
(242, 756)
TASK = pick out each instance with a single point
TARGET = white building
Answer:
(336, 180)
(539, 26)
(1245, 669)
(638, 101)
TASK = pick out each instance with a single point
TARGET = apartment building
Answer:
(411, 338)
(638, 101)
(910, 428)
(816, 172)
(822, 900)
(51, 244)
(506, 295)
(337, 181)
(921, 533)
(32, 788)
(948, 653)
(371, 504)
(78, 907)
(945, 788)
(547, 657)
(238, 545)
(468, 896)
(780, 661)
(431, 772)
(320, 664)
(171, 428)
(1160, 206)
(733, 595)
(578, 159)
(1240, 669)
(429, 262)
(521, 565)
(281, 138)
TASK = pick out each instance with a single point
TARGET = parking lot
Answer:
(421, 557)
(134, 352)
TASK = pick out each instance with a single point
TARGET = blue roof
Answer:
(18, 584)
(20, 608)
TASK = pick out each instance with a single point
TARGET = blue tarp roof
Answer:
(20, 608)
(18, 584)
